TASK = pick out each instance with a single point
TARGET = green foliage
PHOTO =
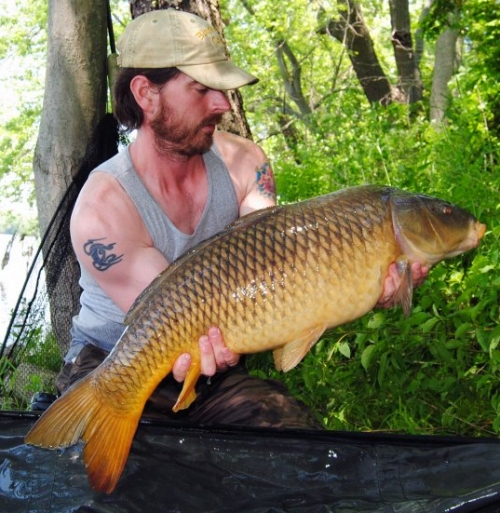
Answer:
(7, 400)
(42, 350)
(482, 82)
(23, 27)
(32, 367)
(441, 15)
(22, 57)
(438, 370)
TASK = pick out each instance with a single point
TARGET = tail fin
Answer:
(80, 415)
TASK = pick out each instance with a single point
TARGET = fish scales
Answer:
(254, 269)
(275, 279)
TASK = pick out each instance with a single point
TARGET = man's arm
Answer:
(111, 241)
(250, 171)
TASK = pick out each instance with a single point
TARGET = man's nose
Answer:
(220, 103)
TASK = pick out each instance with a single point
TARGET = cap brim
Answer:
(221, 75)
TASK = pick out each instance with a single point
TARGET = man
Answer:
(180, 182)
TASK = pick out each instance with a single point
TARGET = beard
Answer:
(172, 134)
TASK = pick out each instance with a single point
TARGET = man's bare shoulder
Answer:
(250, 171)
(100, 192)
(111, 241)
(103, 205)
(234, 147)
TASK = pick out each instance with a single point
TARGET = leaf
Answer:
(366, 356)
(463, 328)
(376, 321)
(345, 349)
(494, 340)
(428, 325)
(482, 339)
(382, 369)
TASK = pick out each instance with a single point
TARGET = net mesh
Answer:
(37, 335)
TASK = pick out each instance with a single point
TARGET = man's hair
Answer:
(128, 113)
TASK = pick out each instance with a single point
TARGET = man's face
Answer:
(187, 116)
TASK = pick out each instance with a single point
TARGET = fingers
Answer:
(207, 352)
(419, 273)
(214, 354)
(392, 283)
(181, 366)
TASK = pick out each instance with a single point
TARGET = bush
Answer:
(438, 370)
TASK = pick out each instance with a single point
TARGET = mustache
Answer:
(214, 119)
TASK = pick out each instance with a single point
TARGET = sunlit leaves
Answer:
(437, 371)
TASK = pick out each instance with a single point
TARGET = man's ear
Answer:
(144, 93)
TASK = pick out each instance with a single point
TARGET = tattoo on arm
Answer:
(265, 181)
(98, 252)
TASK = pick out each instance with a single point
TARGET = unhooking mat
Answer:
(194, 469)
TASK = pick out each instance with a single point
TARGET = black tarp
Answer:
(190, 469)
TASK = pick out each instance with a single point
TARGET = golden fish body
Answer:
(275, 279)
(304, 263)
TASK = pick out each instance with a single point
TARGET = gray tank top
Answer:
(100, 321)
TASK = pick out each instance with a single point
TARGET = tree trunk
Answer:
(419, 38)
(291, 72)
(445, 64)
(410, 83)
(74, 102)
(350, 29)
(234, 121)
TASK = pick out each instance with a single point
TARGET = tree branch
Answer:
(351, 30)
(410, 82)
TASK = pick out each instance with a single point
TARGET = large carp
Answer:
(275, 279)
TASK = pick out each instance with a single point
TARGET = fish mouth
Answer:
(476, 232)
(479, 231)
(475, 235)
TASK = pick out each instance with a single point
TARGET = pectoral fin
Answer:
(404, 294)
(188, 393)
(289, 355)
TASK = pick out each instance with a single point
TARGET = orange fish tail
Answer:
(80, 414)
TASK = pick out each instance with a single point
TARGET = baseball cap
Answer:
(176, 39)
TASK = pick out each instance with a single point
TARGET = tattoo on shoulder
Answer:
(100, 254)
(265, 181)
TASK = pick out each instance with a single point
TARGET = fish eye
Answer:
(447, 210)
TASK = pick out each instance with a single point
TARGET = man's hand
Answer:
(393, 281)
(215, 356)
